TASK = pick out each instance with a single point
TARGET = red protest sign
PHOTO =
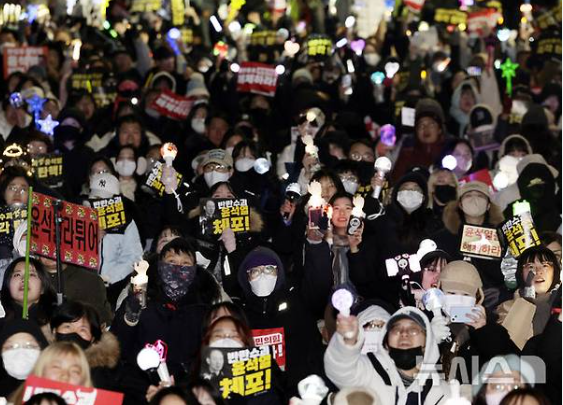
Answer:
(479, 20)
(72, 394)
(21, 58)
(79, 232)
(257, 78)
(414, 5)
(274, 337)
(172, 105)
(481, 175)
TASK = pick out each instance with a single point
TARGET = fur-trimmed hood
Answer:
(105, 352)
(453, 220)
(256, 221)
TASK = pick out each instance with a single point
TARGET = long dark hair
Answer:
(540, 253)
(47, 298)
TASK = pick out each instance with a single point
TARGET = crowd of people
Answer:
(394, 133)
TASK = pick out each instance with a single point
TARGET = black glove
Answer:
(133, 309)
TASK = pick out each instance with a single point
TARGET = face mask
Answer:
(227, 343)
(457, 300)
(464, 164)
(405, 359)
(474, 206)
(371, 342)
(445, 193)
(372, 59)
(230, 150)
(198, 125)
(19, 362)
(263, 285)
(410, 200)
(244, 164)
(214, 177)
(125, 168)
(350, 186)
(176, 280)
(495, 398)
(74, 338)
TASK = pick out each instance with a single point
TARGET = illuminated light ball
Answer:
(350, 21)
(235, 67)
(280, 69)
(449, 162)
(174, 33)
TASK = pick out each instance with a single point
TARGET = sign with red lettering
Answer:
(257, 78)
(172, 105)
(21, 58)
(79, 231)
(479, 20)
(72, 394)
(274, 337)
(480, 242)
(481, 175)
(414, 5)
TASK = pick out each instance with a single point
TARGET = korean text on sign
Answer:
(319, 46)
(520, 233)
(20, 59)
(154, 179)
(257, 78)
(48, 168)
(111, 213)
(79, 231)
(10, 219)
(233, 214)
(251, 372)
(172, 105)
(275, 339)
(480, 242)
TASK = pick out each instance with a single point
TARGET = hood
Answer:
(537, 185)
(481, 117)
(373, 312)
(452, 217)
(105, 352)
(243, 279)
(501, 363)
(417, 178)
(461, 117)
(502, 149)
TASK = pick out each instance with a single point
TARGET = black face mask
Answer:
(445, 193)
(405, 359)
(74, 338)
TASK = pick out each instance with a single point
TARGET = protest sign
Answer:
(154, 179)
(21, 58)
(520, 233)
(246, 372)
(10, 219)
(479, 21)
(548, 18)
(263, 46)
(79, 231)
(483, 140)
(48, 168)
(549, 45)
(481, 175)
(100, 85)
(71, 394)
(257, 78)
(172, 105)
(177, 9)
(450, 16)
(275, 339)
(414, 5)
(319, 47)
(220, 214)
(480, 242)
(145, 6)
(112, 216)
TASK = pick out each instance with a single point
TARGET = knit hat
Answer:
(461, 276)
(428, 107)
(535, 158)
(219, 156)
(164, 76)
(17, 325)
(535, 116)
(501, 363)
(104, 185)
(480, 116)
(196, 86)
(371, 313)
(536, 183)
(302, 75)
(356, 396)
(474, 186)
(259, 258)
(405, 314)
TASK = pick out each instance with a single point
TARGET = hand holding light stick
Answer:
(140, 282)
(169, 152)
(154, 356)
(357, 215)
(342, 300)
(383, 166)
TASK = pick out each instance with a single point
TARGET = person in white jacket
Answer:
(402, 371)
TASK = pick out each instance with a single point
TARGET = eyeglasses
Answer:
(351, 179)
(26, 345)
(374, 325)
(18, 189)
(268, 270)
(533, 266)
(215, 167)
(358, 156)
(411, 331)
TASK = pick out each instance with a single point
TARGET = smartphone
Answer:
(318, 219)
(459, 314)
(474, 71)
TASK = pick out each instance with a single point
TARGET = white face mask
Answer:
(371, 342)
(410, 200)
(215, 177)
(474, 206)
(494, 398)
(350, 186)
(457, 300)
(244, 164)
(19, 362)
(198, 125)
(372, 59)
(125, 167)
(228, 343)
(263, 285)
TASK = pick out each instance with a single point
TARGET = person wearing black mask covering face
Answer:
(80, 323)
(537, 186)
(442, 188)
(408, 346)
(178, 295)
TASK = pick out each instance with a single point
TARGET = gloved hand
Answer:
(133, 309)
(440, 328)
